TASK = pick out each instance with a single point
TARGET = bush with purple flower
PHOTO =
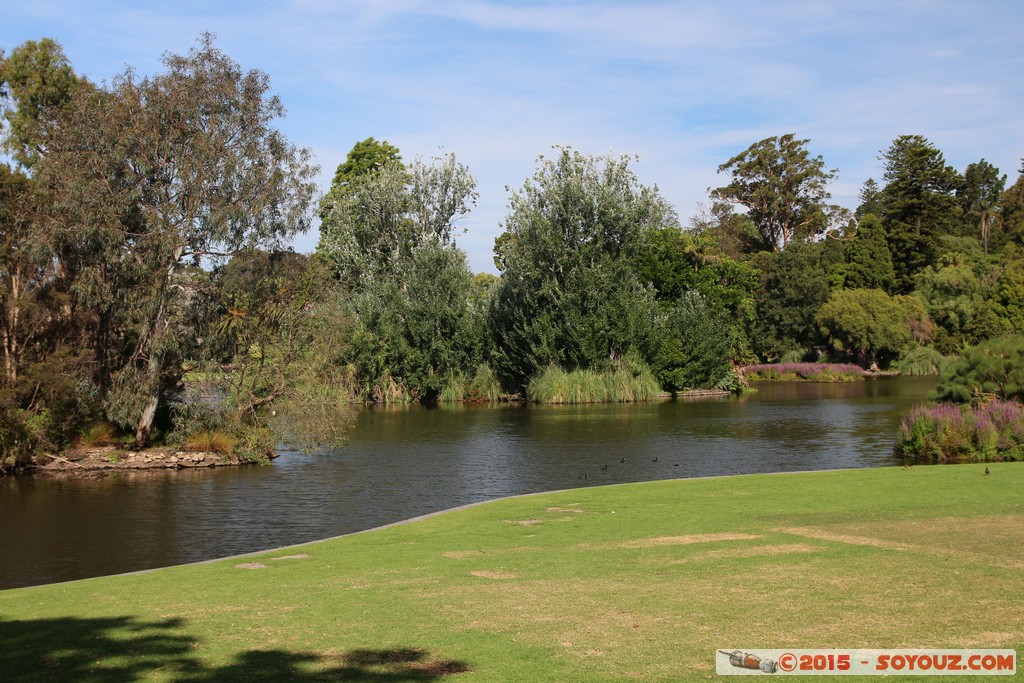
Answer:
(951, 433)
(803, 372)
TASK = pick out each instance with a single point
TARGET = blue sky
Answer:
(681, 85)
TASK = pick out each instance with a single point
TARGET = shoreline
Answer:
(430, 515)
(85, 461)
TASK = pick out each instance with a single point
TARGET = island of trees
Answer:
(147, 294)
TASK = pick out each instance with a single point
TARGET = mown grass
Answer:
(635, 582)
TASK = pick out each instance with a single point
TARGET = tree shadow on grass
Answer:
(121, 649)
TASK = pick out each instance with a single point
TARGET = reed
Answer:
(625, 382)
(482, 387)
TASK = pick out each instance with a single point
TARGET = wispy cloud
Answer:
(683, 85)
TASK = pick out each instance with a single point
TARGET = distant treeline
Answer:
(146, 294)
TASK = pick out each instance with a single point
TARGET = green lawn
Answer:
(636, 582)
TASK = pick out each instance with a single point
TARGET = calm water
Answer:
(405, 462)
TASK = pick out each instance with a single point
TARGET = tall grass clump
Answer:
(949, 433)
(921, 361)
(803, 372)
(454, 390)
(97, 435)
(482, 387)
(626, 381)
(211, 441)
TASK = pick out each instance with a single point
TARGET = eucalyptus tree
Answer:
(20, 269)
(45, 390)
(783, 189)
(149, 178)
(36, 82)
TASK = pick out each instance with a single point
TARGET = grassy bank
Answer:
(803, 372)
(634, 582)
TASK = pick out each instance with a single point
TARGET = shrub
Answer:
(948, 433)
(793, 356)
(454, 389)
(992, 369)
(485, 385)
(256, 445)
(695, 348)
(865, 324)
(921, 361)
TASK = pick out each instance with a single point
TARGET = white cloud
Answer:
(684, 85)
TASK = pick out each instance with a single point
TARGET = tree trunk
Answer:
(10, 333)
(146, 421)
(154, 362)
(10, 374)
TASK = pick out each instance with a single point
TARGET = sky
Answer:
(682, 86)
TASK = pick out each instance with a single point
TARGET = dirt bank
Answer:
(112, 458)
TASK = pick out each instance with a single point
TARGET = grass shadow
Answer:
(121, 649)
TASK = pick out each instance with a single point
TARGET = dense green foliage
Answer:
(695, 349)
(867, 325)
(794, 285)
(921, 361)
(145, 292)
(992, 369)
(917, 205)
(868, 259)
(387, 233)
(569, 295)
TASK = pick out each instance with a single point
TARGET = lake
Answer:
(408, 461)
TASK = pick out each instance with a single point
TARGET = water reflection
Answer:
(407, 461)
